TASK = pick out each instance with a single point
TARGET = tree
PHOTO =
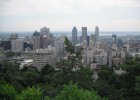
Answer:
(84, 78)
(30, 93)
(138, 83)
(132, 68)
(7, 91)
(69, 47)
(105, 73)
(71, 92)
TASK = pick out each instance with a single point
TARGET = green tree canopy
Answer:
(71, 92)
(30, 93)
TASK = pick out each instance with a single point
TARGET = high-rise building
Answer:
(36, 40)
(6, 44)
(96, 34)
(84, 33)
(45, 31)
(14, 36)
(91, 44)
(59, 46)
(84, 44)
(17, 45)
(114, 39)
(44, 37)
(74, 35)
(120, 42)
(92, 38)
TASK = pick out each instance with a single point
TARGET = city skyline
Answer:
(109, 15)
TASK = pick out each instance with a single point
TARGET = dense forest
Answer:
(70, 80)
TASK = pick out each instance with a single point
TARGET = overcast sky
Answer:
(62, 15)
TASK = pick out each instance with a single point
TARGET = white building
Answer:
(59, 46)
(123, 54)
(84, 44)
(17, 45)
(101, 58)
(36, 42)
(42, 57)
(114, 51)
(88, 56)
(27, 63)
(91, 44)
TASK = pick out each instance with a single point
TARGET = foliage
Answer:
(71, 92)
(7, 91)
(10, 54)
(30, 93)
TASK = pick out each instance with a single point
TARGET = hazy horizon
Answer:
(62, 15)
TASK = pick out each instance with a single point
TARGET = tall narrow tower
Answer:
(44, 37)
(74, 35)
(84, 33)
(36, 40)
(96, 34)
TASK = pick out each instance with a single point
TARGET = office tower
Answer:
(45, 31)
(17, 45)
(88, 39)
(84, 44)
(114, 39)
(91, 44)
(84, 33)
(120, 43)
(6, 44)
(74, 35)
(44, 41)
(44, 37)
(36, 40)
(14, 36)
(96, 34)
(92, 37)
(92, 41)
(59, 46)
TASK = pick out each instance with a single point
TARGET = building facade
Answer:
(84, 34)
(74, 35)
(96, 34)
(17, 45)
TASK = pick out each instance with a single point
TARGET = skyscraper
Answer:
(84, 33)
(45, 31)
(17, 45)
(114, 39)
(44, 37)
(14, 36)
(96, 34)
(74, 35)
(36, 40)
